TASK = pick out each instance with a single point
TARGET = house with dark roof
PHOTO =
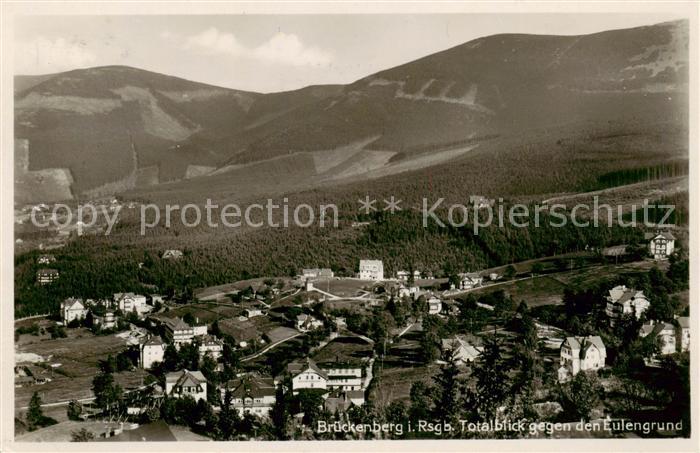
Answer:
(580, 354)
(251, 393)
(185, 382)
(470, 280)
(623, 301)
(178, 332)
(306, 323)
(341, 401)
(46, 276)
(158, 431)
(665, 334)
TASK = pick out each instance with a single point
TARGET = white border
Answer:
(9, 10)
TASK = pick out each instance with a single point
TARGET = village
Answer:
(286, 352)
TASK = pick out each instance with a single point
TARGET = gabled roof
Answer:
(664, 235)
(71, 303)
(579, 345)
(684, 322)
(621, 294)
(298, 367)
(177, 324)
(153, 341)
(186, 378)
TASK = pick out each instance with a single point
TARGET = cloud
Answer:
(43, 55)
(281, 48)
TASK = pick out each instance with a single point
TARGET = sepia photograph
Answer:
(256, 225)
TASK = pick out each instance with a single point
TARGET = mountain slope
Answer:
(495, 85)
(116, 128)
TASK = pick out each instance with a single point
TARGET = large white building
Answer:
(131, 303)
(152, 351)
(184, 382)
(580, 354)
(623, 301)
(73, 308)
(306, 374)
(343, 375)
(371, 270)
(178, 332)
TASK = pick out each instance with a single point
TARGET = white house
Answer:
(403, 275)
(434, 305)
(580, 354)
(662, 245)
(73, 308)
(251, 394)
(151, 351)
(463, 351)
(253, 312)
(306, 374)
(664, 332)
(306, 323)
(211, 346)
(131, 303)
(178, 332)
(470, 280)
(185, 382)
(371, 270)
(623, 301)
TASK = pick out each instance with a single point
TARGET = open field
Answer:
(548, 289)
(344, 287)
(344, 349)
(205, 313)
(78, 356)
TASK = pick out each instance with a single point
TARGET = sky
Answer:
(267, 53)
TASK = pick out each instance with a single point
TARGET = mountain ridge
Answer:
(486, 87)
